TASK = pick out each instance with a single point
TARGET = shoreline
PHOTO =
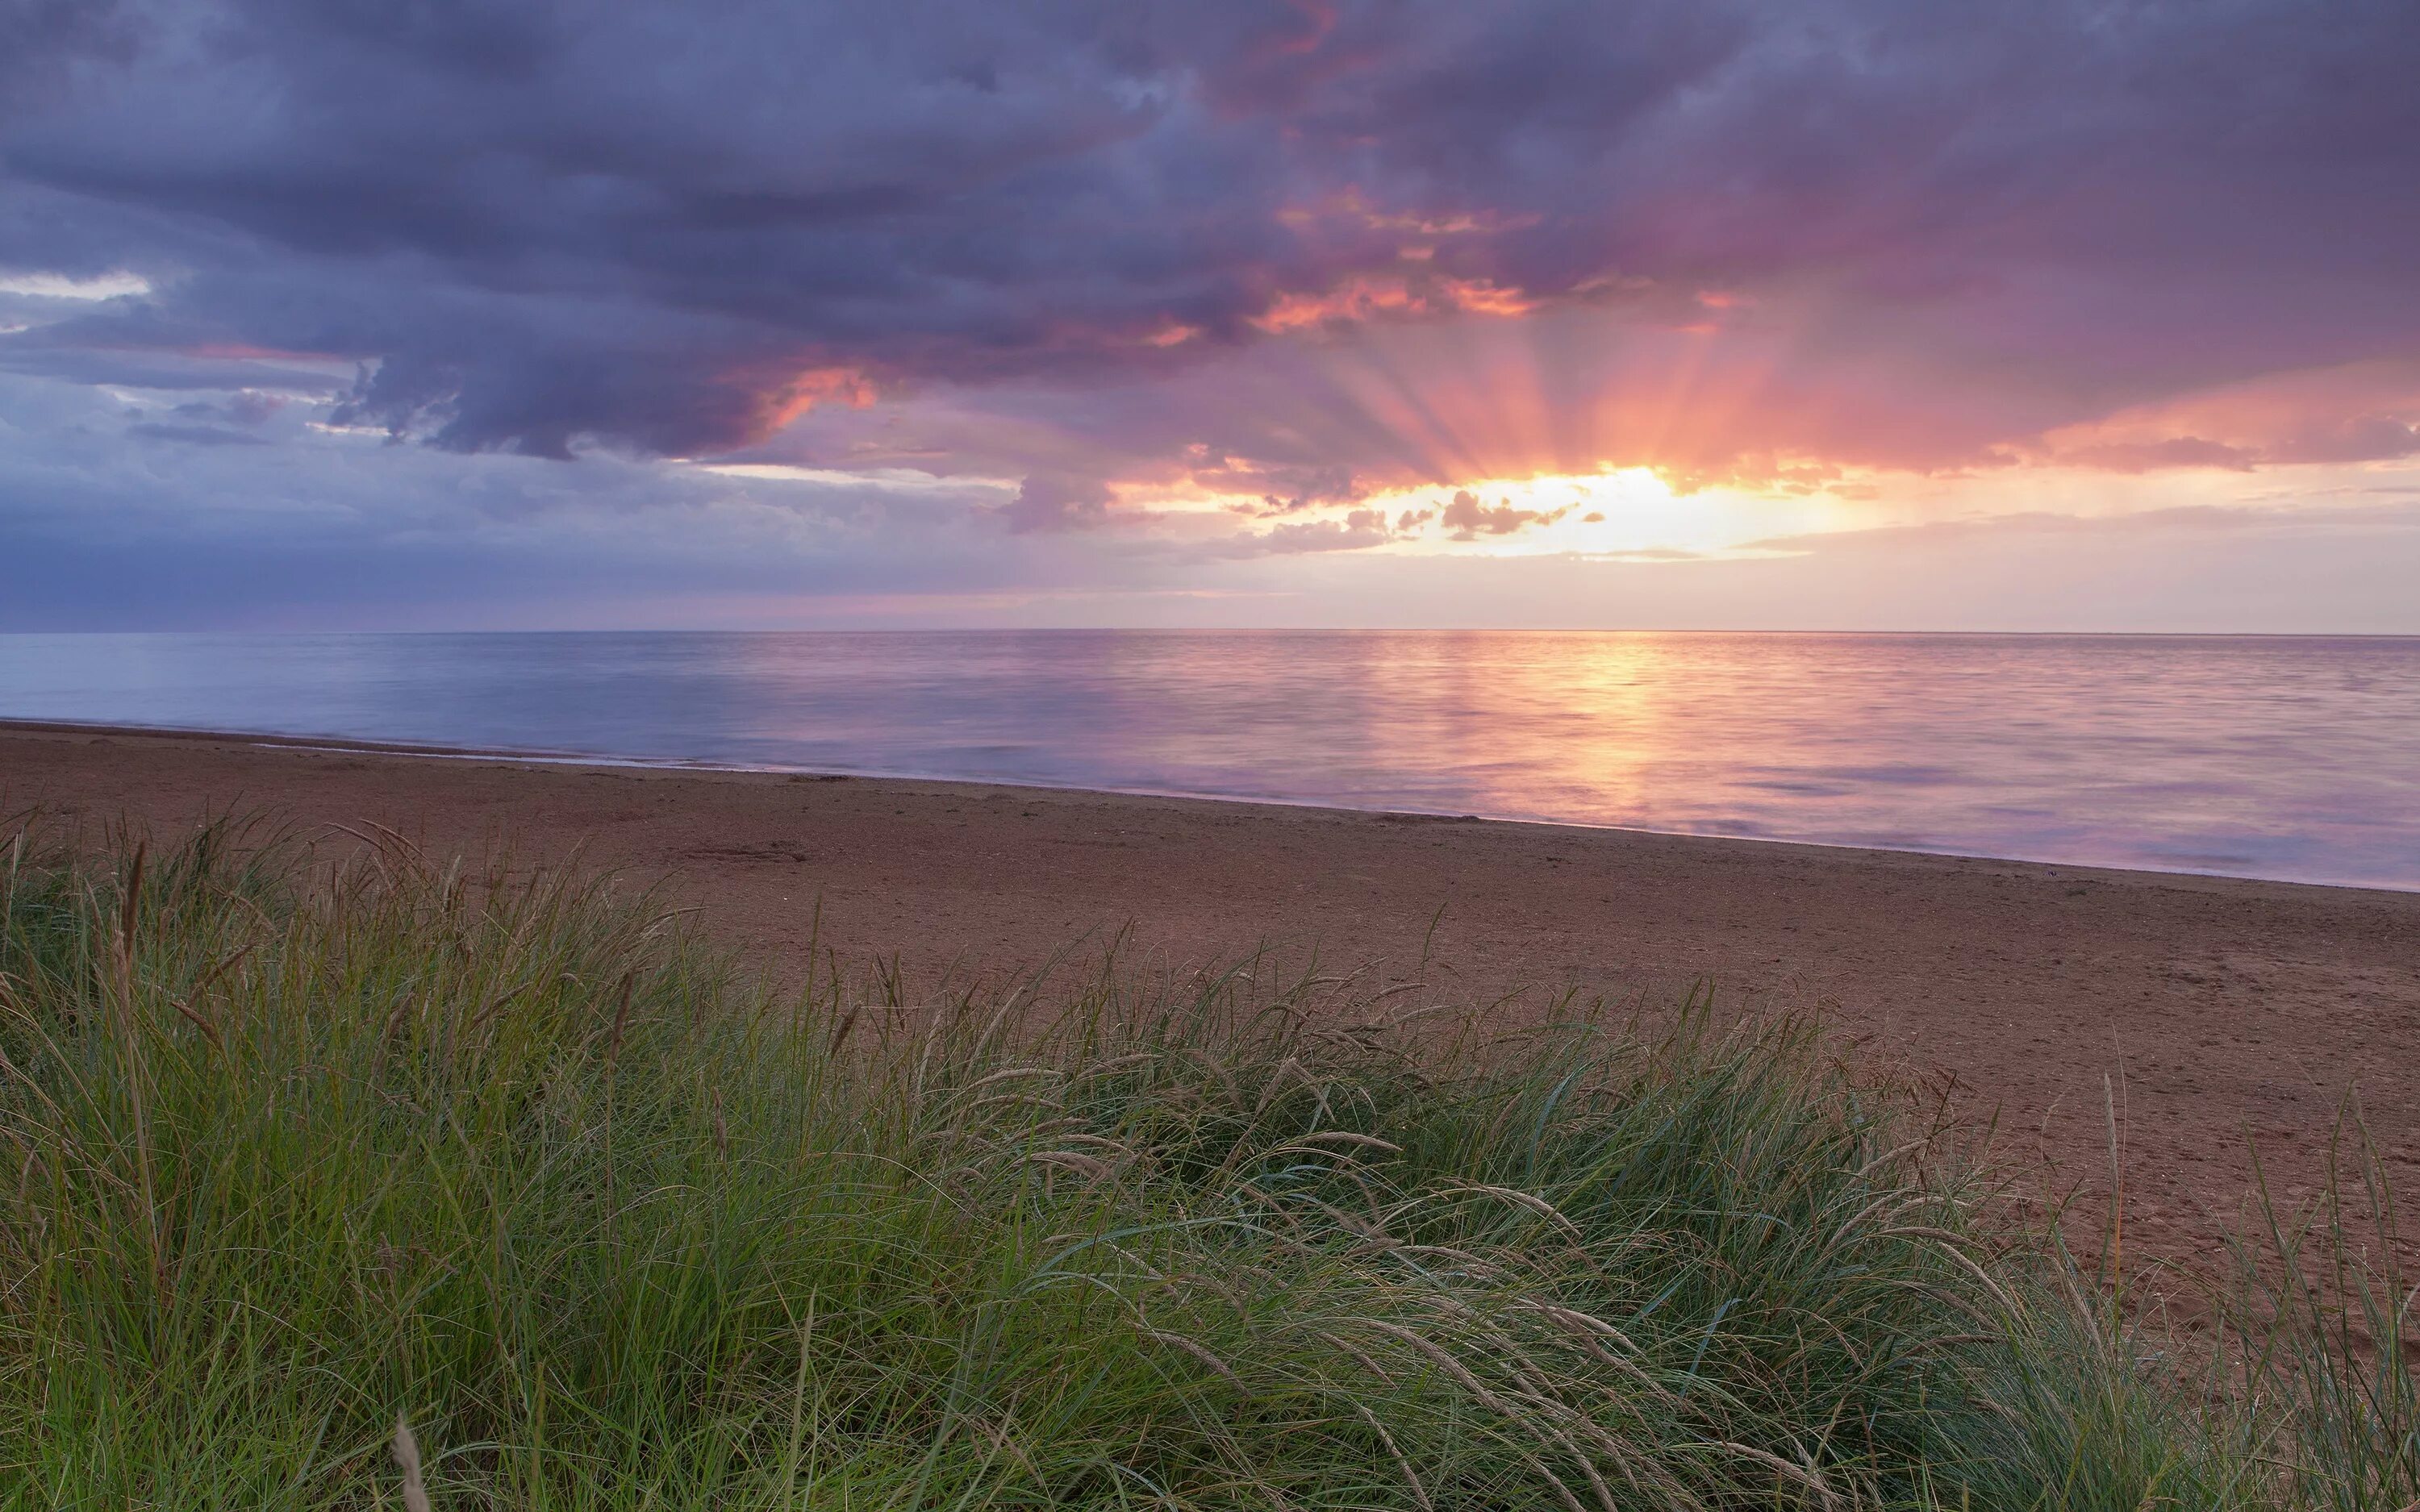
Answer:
(2211, 1010)
(348, 745)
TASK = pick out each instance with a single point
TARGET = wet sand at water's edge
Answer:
(2217, 1008)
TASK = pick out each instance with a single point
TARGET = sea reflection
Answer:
(2287, 757)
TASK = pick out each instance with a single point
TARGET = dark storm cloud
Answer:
(672, 229)
(43, 40)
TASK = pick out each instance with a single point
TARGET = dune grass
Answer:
(294, 1151)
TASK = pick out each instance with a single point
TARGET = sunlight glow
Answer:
(1630, 513)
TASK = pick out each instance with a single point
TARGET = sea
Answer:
(2294, 758)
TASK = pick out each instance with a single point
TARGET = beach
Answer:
(2196, 1015)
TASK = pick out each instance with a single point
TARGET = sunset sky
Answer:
(1856, 313)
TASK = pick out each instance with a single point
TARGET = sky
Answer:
(1675, 314)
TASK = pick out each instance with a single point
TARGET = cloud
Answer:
(1360, 532)
(2356, 412)
(66, 286)
(2175, 452)
(1105, 297)
(1047, 502)
(2174, 523)
(43, 40)
(246, 407)
(2245, 571)
(1468, 519)
(100, 529)
(2371, 437)
(539, 227)
(195, 435)
(103, 525)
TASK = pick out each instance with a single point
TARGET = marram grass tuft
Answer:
(376, 1182)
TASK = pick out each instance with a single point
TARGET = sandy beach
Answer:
(2211, 1010)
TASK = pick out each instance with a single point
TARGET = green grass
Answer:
(289, 1151)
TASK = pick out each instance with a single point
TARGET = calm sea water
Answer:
(2289, 758)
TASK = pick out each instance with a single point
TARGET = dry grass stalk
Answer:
(406, 1457)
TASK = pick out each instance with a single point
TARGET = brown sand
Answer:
(2216, 1009)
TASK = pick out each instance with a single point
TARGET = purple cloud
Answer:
(537, 227)
(1048, 502)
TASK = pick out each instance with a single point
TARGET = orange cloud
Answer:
(815, 386)
(1367, 297)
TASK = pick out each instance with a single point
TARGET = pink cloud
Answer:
(2356, 412)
